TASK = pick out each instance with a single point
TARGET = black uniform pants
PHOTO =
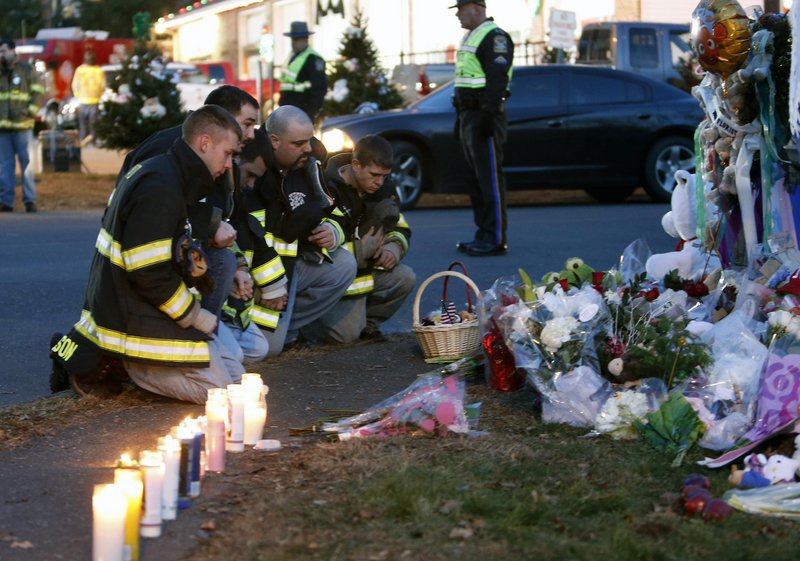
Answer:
(488, 190)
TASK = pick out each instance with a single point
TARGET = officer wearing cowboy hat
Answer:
(303, 81)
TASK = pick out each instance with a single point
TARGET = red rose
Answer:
(651, 294)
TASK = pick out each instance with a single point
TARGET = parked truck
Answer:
(658, 50)
(57, 52)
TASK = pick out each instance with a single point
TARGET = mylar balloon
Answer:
(720, 36)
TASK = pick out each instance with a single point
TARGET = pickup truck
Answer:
(661, 51)
(219, 73)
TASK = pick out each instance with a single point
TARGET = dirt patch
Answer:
(77, 191)
(72, 191)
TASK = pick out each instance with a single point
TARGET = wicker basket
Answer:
(448, 342)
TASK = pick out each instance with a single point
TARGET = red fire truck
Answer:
(57, 52)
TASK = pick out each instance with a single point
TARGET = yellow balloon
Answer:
(720, 36)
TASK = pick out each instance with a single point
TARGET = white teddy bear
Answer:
(680, 222)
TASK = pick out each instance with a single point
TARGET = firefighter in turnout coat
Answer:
(138, 306)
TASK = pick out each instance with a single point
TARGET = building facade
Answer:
(247, 33)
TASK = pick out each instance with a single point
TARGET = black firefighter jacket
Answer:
(136, 297)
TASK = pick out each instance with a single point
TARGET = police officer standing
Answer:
(303, 81)
(483, 73)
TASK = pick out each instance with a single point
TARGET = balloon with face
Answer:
(720, 36)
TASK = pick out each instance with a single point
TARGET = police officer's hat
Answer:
(298, 29)
(460, 3)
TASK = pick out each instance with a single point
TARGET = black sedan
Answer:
(598, 129)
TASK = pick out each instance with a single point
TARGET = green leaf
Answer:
(673, 428)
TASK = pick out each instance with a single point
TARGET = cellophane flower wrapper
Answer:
(501, 372)
(725, 394)
(633, 260)
(627, 405)
(575, 397)
(551, 338)
(433, 405)
(782, 500)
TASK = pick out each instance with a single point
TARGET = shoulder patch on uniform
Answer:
(320, 64)
(500, 44)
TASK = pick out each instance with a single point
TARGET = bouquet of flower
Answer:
(432, 405)
(648, 335)
(554, 335)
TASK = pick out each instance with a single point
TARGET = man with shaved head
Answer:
(301, 223)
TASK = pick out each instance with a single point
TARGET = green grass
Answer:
(526, 491)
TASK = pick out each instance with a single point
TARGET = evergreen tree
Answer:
(357, 77)
(144, 97)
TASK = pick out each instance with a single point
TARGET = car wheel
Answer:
(666, 156)
(408, 173)
(610, 194)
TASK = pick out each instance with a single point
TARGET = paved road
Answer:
(44, 262)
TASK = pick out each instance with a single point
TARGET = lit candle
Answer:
(128, 478)
(236, 401)
(109, 506)
(151, 463)
(255, 416)
(171, 449)
(252, 384)
(216, 414)
(186, 438)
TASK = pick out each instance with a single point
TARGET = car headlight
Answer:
(336, 140)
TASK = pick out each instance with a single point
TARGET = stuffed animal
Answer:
(753, 473)
(780, 469)
(575, 272)
(762, 472)
(680, 222)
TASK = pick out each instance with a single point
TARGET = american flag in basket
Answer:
(449, 312)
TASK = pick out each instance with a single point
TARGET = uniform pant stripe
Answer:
(498, 233)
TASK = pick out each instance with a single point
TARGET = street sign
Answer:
(562, 30)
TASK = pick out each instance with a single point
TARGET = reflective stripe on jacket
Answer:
(288, 78)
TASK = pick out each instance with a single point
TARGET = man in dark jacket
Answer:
(138, 305)
(303, 81)
(301, 224)
(377, 234)
(222, 263)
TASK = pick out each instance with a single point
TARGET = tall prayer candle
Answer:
(193, 427)
(128, 477)
(151, 462)
(235, 440)
(186, 438)
(216, 413)
(171, 449)
(255, 416)
(252, 384)
(109, 507)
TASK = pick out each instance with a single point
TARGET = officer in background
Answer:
(303, 82)
(483, 73)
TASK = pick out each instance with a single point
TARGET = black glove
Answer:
(485, 124)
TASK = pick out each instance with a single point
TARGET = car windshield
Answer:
(438, 100)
